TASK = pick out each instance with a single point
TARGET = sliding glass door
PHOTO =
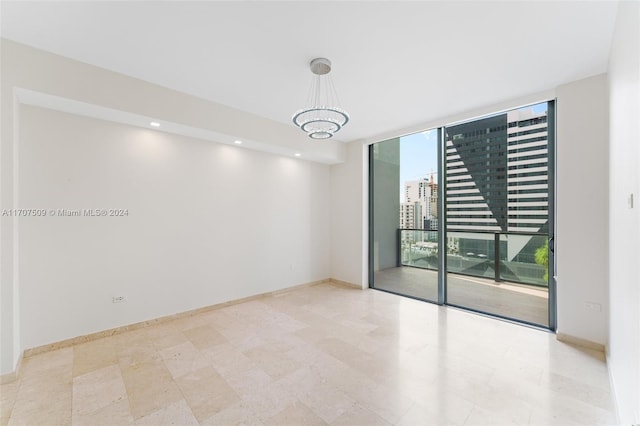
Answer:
(404, 215)
(461, 215)
(498, 222)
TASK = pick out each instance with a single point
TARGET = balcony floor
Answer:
(511, 300)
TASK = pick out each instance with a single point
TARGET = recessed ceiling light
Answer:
(297, 154)
(154, 124)
(238, 142)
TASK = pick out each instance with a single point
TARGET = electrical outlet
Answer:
(118, 299)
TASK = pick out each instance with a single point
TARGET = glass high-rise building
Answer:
(497, 173)
(476, 175)
(527, 171)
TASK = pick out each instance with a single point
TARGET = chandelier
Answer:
(322, 117)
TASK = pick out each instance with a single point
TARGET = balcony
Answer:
(495, 273)
(498, 255)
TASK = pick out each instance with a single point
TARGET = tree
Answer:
(542, 259)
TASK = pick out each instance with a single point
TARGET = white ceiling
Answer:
(395, 64)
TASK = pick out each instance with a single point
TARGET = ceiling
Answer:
(395, 64)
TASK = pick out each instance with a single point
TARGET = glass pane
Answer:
(419, 248)
(497, 214)
(471, 253)
(525, 259)
(404, 197)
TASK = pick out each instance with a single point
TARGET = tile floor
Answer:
(319, 355)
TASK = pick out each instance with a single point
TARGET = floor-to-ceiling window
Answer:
(481, 192)
(404, 208)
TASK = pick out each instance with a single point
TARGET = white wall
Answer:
(194, 236)
(624, 227)
(582, 215)
(349, 224)
(220, 196)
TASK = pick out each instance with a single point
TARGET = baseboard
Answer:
(344, 283)
(289, 289)
(8, 378)
(566, 338)
(118, 330)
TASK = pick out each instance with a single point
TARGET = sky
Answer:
(540, 107)
(418, 157)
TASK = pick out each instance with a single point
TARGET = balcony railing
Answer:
(502, 256)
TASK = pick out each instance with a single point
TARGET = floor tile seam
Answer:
(208, 419)
(372, 412)
(102, 407)
(15, 400)
(184, 396)
(95, 369)
(128, 394)
(351, 405)
(299, 401)
(400, 416)
(7, 415)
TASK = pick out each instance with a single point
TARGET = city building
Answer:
(527, 171)
(419, 210)
(476, 177)
(497, 173)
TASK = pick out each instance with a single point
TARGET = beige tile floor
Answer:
(319, 355)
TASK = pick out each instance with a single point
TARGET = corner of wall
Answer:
(582, 132)
(348, 216)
